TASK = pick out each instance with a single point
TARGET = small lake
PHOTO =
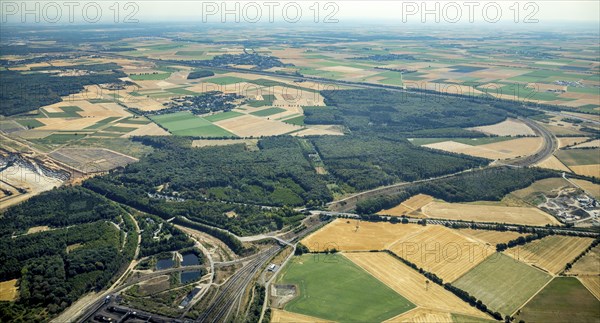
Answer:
(189, 276)
(190, 259)
(165, 263)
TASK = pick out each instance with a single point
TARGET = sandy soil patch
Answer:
(320, 130)
(414, 203)
(38, 229)
(8, 290)
(249, 125)
(281, 316)
(499, 150)
(22, 177)
(410, 284)
(553, 163)
(508, 127)
(442, 251)
(343, 235)
(488, 213)
(587, 170)
(551, 253)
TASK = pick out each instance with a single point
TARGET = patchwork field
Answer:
(91, 160)
(414, 203)
(508, 127)
(592, 283)
(553, 163)
(503, 283)
(333, 288)
(187, 124)
(551, 253)
(442, 251)
(8, 290)
(581, 161)
(343, 235)
(488, 213)
(565, 299)
(409, 283)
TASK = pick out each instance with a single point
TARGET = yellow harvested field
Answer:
(587, 170)
(551, 253)
(249, 125)
(592, 283)
(589, 264)
(589, 144)
(343, 235)
(38, 229)
(491, 237)
(498, 150)
(410, 284)
(442, 251)
(8, 290)
(422, 315)
(320, 130)
(488, 213)
(508, 127)
(144, 104)
(280, 316)
(412, 204)
(568, 141)
(589, 187)
(553, 163)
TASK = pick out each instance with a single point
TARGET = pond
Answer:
(190, 259)
(164, 263)
(190, 276)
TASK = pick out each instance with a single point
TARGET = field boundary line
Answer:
(584, 285)
(534, 295)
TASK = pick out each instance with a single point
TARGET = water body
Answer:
(165, 263)
(190, 259)
(190, 276)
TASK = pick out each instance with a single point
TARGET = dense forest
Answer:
(24, 92)
(398, 114)
(74, 256)
(366, 162)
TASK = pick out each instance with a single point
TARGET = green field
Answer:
(502, 283)
(149, 77)
(181, 91)
(187, 124)
(333, 288)
(573, 157)
(267, 112)
(68, 112)
(565, 299)
(226, 80)
(135, 121)
(299, 120)
(30, 123)
(222, 116)
(467, 141)
(102, 122)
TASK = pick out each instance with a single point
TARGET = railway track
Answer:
(231, 292)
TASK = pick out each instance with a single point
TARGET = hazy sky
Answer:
(402, 12)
